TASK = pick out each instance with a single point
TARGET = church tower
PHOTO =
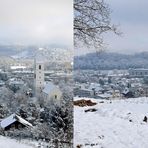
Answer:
(38, 75)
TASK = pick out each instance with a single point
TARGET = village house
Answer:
(14, 121)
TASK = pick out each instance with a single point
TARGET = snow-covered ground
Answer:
(6, 142)
(115, 124)
(11, 143)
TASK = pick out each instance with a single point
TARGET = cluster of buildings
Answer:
(17, 78)
(114, 85)
(42, 85)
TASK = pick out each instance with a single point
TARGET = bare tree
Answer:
(91, 20)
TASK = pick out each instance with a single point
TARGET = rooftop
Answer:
(12, 118)
(49, 87)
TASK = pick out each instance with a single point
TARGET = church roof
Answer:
(49, 87)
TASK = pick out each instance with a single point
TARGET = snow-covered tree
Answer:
(91, 20)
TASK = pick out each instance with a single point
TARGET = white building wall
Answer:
(53, 96)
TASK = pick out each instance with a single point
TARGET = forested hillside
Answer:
(107, 61)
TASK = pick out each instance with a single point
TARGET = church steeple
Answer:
(38, 74)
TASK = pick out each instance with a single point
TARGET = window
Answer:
(39, 66)
(55, 96)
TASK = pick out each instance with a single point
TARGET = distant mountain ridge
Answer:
(108, 61)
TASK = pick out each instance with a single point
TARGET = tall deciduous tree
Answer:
(91, 20)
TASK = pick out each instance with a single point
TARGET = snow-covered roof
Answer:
(7, 121)
(49, 87)
(18, 67)
(24, 71)
(23, 121)
(13, 118)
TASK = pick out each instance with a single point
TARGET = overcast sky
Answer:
(36, 22)
(132, 15)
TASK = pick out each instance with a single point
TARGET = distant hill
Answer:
(18, 52)
(54, 54)
(5, 60)
(107, 61)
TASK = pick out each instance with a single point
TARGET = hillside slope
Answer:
(115, 124)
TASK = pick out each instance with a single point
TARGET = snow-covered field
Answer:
(115, 124)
